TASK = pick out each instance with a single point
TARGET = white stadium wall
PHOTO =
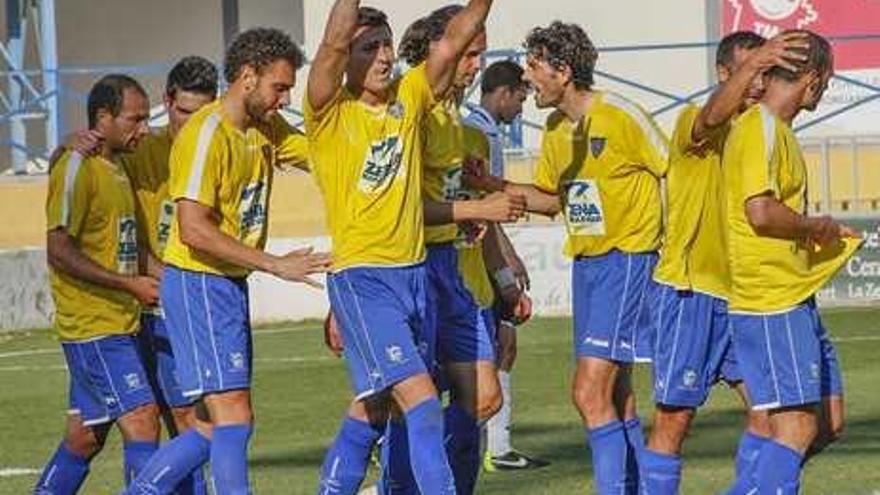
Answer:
(25, 301)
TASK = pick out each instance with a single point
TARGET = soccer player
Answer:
(501, 101)
(459, 294)
(693, 350)
(221, 176)
(191, 84)
(779, 257)
(601, 162)
(93, 259)
(372, 189)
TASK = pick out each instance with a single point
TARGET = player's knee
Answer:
(84, 442)
(590, 398)
(184, 418)
(488, 403)
(141, 424)
(758, 423)
(670, 428)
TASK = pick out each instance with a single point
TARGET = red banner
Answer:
(826, 17)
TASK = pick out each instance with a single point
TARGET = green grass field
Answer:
(300, 393)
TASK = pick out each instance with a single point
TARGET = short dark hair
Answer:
(107, 94)
(372, 17)
(744, 40)
(820, 58)
(260, 48)
(560, 45)
(416, 41)
(502, 74)
(193, 73)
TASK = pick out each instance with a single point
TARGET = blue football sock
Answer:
(63, 474)
(747, 453)
(397, 476)
(194, 484)
(428, 458)
(175, 460)
(635, 440)
(136, 455)
(661, 473)
(608, 446)
(778, 470)
(229, 470)
(345, 464)
(462, 447)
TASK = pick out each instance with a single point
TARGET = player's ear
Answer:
(248, 78)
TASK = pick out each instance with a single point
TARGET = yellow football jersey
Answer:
(147, 168)
(694, 256)
(367, 162)
(217, 165)
(91, 199)
(762, 156)
(607, 167)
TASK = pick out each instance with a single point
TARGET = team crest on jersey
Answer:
(597, 146)
(126, 246)
(382, 164)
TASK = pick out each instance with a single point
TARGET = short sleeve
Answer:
(754, 140)
(415, 91)
(196, 162)
(67, 201)
(291, 145)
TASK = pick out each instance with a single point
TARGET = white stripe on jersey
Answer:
(206, 133)
(768, 123)
(73, 165)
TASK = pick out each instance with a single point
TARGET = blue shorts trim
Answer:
(381, 313)
(693, 348)
(464, 333)
(158, 358)
(107, 379)
(208, 323)
(786, 358)
(610, 296)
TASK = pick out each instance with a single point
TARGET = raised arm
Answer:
(328, 66)
(727, 100)
(460, 32)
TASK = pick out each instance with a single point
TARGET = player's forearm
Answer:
(493, 252)
(537, 201)
(210, 240)
(152, 266)
(446, 212)
(770, 218)
(724, 103)
(328, 67)
(63, 255)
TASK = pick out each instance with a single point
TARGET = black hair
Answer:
(744, 40)
(416, 41)
(107, 94)
(502, 74)
(565, 45)
(260, 48)
(820, 58)
(372, 17)
(195, 74)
